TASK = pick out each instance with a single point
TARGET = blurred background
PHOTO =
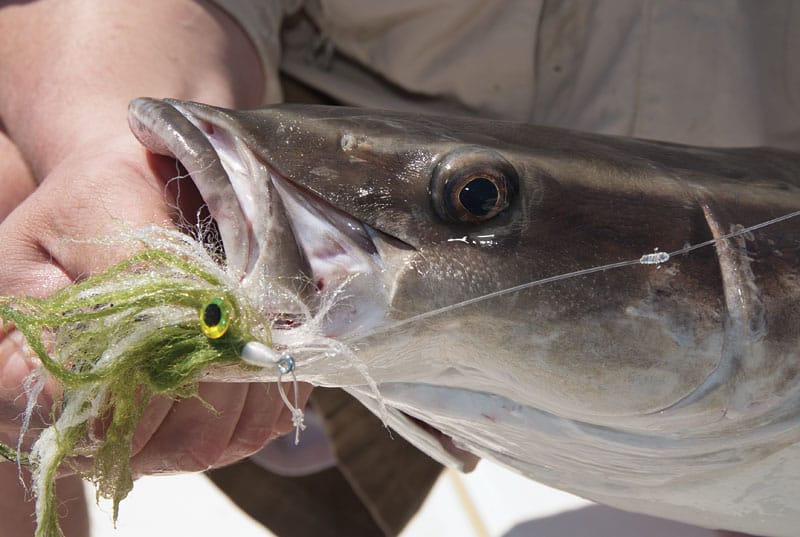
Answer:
(489, 502)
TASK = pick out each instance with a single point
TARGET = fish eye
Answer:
(215, 318)
(472, 185)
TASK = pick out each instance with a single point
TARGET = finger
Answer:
(16, 364)
(195, 433)
(16, 180)
(264, 417)
(47, 240)
(157, 411)
(114, 196)
(16, 509)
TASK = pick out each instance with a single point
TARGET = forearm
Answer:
(69, 64)
(16, 507)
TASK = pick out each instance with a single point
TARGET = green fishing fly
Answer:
(147, 326)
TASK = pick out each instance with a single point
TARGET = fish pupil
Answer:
(212, 315)
(479, 196)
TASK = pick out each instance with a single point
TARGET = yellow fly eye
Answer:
(215, 318)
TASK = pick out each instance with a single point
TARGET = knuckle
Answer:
(249, 440)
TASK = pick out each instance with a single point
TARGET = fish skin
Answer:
(669, 389)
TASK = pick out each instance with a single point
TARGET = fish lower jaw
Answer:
(341, 260)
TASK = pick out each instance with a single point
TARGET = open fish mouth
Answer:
(270, 226)
(253, 204)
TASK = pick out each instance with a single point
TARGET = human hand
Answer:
(66, 114)
(101, 192)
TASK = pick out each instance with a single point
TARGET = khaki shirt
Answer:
(719, 72)
(713, 72)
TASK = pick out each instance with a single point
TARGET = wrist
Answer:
(71, 88)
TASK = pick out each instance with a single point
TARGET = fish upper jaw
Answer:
(166, 130)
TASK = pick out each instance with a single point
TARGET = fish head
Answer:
(407, 232)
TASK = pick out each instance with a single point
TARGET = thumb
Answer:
(49, 240)
(45, 242)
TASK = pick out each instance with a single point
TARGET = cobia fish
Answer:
(613, 317)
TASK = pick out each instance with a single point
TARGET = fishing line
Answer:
(655, 258)
(298, 416)
(732, 234)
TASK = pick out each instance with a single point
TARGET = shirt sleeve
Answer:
(478, 53)
(261, 20)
